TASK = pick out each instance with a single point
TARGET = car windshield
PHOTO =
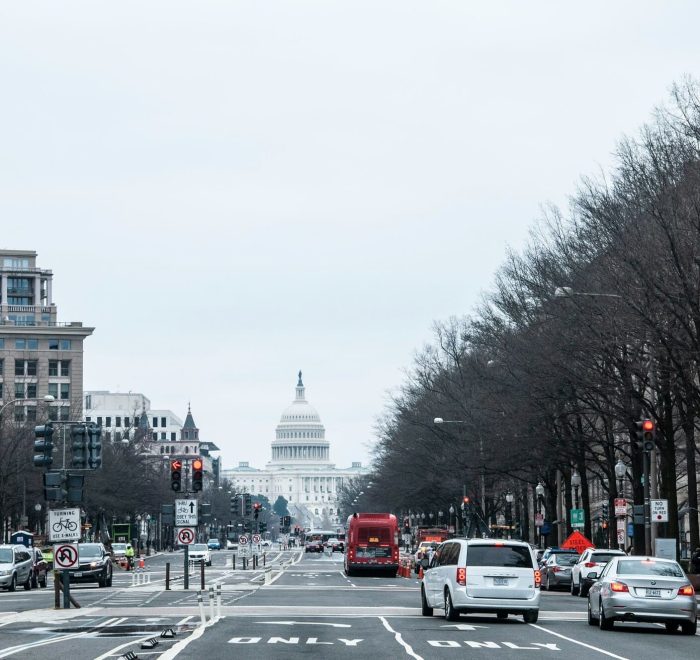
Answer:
(119, 547)
(566, 560)
(89, 550)
(603, 557)
(199, 547)
(5, 555)
(516, 556)
(649, 567)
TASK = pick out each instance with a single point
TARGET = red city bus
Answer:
(372, 544)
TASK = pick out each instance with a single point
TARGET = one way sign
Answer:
(185, 513)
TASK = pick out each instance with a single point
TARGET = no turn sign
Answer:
(256, 538)
(185, 535)
(65, 555)
(243, 540)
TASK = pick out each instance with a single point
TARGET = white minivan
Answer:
(482, 576)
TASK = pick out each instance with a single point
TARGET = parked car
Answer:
(15, 567)
(556, 571)
(643, 589)
(199, 552)
(265, 543)
(40, 568)
(94, 565)
(482, 575)
(591, 560)
(313, 546)
(553, 550)
(213, 544)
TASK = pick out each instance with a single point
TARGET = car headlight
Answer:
(7, 571)
(95, 564)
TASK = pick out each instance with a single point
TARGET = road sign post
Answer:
(659, 511)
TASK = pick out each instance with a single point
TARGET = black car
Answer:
(95, 565)
(314, 546)
(553, 550)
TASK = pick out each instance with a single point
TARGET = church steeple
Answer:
(189, 428)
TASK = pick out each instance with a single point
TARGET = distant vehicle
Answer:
(94, 565)
(643, 590)
(199, 552)
(231, 544)
(266, 543)
(591, 560)
(15, 567)
(119, 550)
(313, 546)
(553, 550)
(40, 568)
(556, 571)
(433, 534)
(423, 550)
(213, 544)
(372, 544)
(482, 575)
(334, 544)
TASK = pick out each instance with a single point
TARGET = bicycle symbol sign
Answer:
(65, 555)
(64, 525)
(184, 535)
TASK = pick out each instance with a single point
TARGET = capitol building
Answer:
(300, 470)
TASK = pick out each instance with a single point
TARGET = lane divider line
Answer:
(400, 640)
(575, 641)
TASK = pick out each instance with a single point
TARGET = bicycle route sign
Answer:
(65, 555)
(185, 513)
(64, 525)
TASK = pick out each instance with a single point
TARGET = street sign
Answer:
(620, 536)
(539, 519)
(256, 538)
(659, 510)
(577, 518)
(621, 524)
(185, 535)
(64, 525)
(620, 506)
(65, 555)
(186, 513)
(242, 540)
(577, 541)
(546, 528)
(244, 551)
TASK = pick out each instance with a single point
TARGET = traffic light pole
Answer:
(647, 502)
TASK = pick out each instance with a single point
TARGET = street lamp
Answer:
(620, 473)
(539, 491)
(509, 514)
(576, 483)
(439, 518)
(452, 513)
(47, 398)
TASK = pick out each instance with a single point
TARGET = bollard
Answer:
(245, 563)
(218, 600)
(167, 576)
(233, 564)
(211, 603)
(202, 615)
(201, 575)
(56, 591)
(268, 575)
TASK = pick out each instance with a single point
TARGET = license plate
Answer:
(78, 574)
(653, 593)
(500, 582)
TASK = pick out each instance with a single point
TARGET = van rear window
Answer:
(499, 555)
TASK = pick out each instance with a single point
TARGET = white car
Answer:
(199, 552)
(484, 576)
(591, 560)
(231, 545)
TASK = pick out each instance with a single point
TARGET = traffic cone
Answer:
(142, 563)
(420, 573)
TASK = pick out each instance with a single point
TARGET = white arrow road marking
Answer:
(462, 626)
(306, 623)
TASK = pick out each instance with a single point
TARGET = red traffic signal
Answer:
(466, 499)
(176, 475)
(648, 425)
(176, 464)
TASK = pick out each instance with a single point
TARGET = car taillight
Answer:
(462, 576)
(555, 569)
(686, 590)
(618, 587)
(590, 564)
(538, 578)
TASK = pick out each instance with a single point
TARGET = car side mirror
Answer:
(424, 562)
(592, 575)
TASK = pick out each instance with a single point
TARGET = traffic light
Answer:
(54, 490)
(287, 521)
(205, 511)
(176, 475)
(43, 445)
(235, 505)
(281, 521)
(94, 446)
(248, 505)
(74, 488)
(263, 527)
(256, 510)
(197, 474)
(78, 446)
(605, 512)
(648, 435)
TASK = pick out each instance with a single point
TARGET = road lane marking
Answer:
(306, 623)
(575, 641)
(44, 642)
(399, 639)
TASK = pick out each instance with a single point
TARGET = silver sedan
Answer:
(643, 589)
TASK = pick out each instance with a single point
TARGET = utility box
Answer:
(22, 538)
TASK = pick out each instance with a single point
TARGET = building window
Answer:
(31, 390)
(31, 367)
(31, 414)
(88, 401)
(65, 413)
(53, 414)
(65, 391)
(154, 435)
(162, 435)
(173, 437)
(163, 421)
(99, 421)
(118, 422)
(88, 419)
(19, 390)
(118, 436)
(65, 344)
(53, 371)
(53, 390)
(53, 344)
(2, 343)
(155, 422)
(65, 367)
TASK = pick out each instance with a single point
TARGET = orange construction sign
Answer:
(578, 542)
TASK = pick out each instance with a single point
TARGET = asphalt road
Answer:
(299, 605)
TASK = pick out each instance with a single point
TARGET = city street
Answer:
(307, 606)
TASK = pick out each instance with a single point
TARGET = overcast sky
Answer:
(233, 191)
